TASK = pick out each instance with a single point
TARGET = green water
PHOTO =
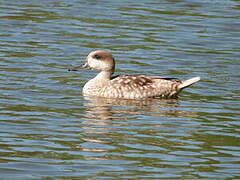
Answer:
(50, 131)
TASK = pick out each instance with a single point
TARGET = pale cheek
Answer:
(93, 63)
(96, 64)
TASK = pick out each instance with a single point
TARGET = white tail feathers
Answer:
(188, 82)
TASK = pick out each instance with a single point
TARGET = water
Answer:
(50, 131)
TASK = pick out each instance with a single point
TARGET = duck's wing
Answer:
(182, 84)
(132, 86)
(145, 83)
(144, 77)
(142, 80)
(132, 80)
(166, 78)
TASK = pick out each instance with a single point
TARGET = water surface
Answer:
(49, 130)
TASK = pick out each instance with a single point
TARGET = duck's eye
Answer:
(97, 56)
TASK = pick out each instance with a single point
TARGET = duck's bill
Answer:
(83, 66)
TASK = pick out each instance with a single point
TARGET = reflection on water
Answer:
(105, 108)
(110, 120)
(49, 130)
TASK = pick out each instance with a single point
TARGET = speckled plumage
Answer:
(128, 86)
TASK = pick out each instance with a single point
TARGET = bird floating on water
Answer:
(127, 86)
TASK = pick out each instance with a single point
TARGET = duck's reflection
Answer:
(108, 121)
(109, 109)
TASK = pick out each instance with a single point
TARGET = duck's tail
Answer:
(188, 82)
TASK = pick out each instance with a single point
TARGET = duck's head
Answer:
(99, 60)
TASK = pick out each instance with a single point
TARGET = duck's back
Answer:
(136, 87)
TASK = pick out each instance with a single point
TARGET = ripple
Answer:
(49, 130)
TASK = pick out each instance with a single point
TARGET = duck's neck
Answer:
(104, 75)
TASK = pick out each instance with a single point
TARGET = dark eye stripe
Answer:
(97, 56)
